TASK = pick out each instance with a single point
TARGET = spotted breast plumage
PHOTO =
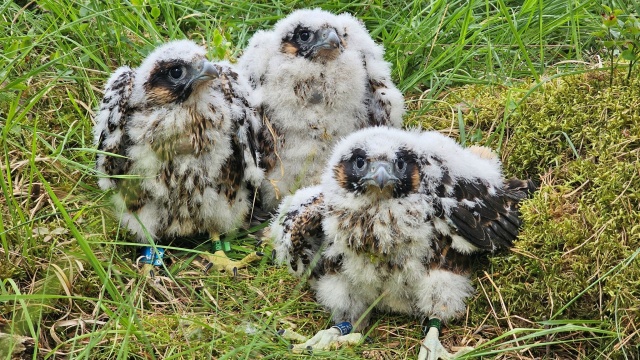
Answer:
(177, 145)
(394, 224)
(317, 77)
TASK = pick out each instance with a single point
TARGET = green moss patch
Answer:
(577, 254)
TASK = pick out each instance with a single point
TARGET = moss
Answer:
(601, 123)
(580, 139)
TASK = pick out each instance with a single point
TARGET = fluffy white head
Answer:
(318, 77)
(346, 25)
(379, 141)
(384, 143)
(182, 51)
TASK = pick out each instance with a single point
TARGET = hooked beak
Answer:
(329, 39)
(380, 174)
(327, 45)
(207, 72)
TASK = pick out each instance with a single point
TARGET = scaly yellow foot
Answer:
(432, 349)
(328, 339)
(221, 262)
(148, 271)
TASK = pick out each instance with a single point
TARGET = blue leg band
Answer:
(345, 327)
(152, 256)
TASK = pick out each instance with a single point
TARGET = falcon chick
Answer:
(317, 77)
(394, 224)
(177, 146)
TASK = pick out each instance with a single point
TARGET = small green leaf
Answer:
(610, 20)
(136, 2)
(217, 38)
(13, 47)
(220, 52)
(15, 129)
(606, 9)
(19, 86)
(632, 26)
(614, 33)
(511, 105)
(155, 12)
(599, 34)
(628, 55)
(476, 136)
(609, 44)
(26, 42)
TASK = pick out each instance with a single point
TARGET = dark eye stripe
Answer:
(163, 84)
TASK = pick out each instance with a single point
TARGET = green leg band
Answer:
(436, 323)
(217, 245)
(221, 245)
(433, 322)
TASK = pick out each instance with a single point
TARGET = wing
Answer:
(254, 64)
(488, 217)
(270, 139)
(109, 132)
(255, 60)
(243, 164)
(297, 230)
(385, 103)
(469, 192)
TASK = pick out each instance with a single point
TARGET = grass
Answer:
(66, 270)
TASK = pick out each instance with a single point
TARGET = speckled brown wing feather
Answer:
(243, 137)
(304, 227)
(485, 220)
(448, 257)
(382, 98)
(232, 172)
(378, 110)
(269, 141)
(110, 133)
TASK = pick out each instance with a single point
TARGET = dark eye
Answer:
(360, 162)
(401, 164)
(305, 35)
(176, 72)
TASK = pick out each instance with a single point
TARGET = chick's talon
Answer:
(147, 271)
(328, 339)
(432, 349)
(221, 262)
